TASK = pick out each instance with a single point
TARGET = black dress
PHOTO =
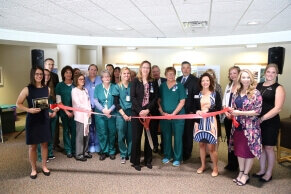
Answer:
(270, 127)
(37, 125)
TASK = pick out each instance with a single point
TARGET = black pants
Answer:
(232, 159)
(188, 138)
(137, 129)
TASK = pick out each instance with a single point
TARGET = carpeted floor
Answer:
(109, 176)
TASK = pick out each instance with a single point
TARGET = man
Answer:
(155, 123)
(49, 64)
(90, 83)
(110, 68)
(191, 85)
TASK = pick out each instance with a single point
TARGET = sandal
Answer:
(240, 183)
(235, 180)
(200, 170)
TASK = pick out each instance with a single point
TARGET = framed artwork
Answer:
(257, 69)
(1, 77)
(132, 67)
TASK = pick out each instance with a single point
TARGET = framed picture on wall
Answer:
(1, 77)
(257, 69)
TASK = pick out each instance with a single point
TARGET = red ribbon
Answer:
(148, 118)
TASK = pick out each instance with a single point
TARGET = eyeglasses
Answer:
(38, 74)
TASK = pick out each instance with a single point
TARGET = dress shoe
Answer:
(240, 183)
(83, 159)
(149, 166)
(33, 176)
(137, 167)
(264, 180)
(214, 174)
(102, 157)
(88, 155)
(112, 157)
(46, 173)
(155, 150)
(69, 155)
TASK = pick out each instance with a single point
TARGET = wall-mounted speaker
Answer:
(277, 55)
(37, 58)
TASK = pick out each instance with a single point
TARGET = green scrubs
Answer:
(69, 126)
(170, 98)
(123, 127)
(106, 126)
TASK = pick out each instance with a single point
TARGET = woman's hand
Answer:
(144, 113)
(34, 110)
(228, 115)
(199, 112)
(125, 117)
(69, 114)
(56, 109)
(52, 115)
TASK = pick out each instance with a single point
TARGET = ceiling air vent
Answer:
(195, 25)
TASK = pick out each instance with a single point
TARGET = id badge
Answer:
(152, 90)
(127, 98)
(105, 106)
(89, 120)
(186, 91)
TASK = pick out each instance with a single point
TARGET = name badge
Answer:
(187, 91)
(196, 96)
(152, 89)
(127, 98)
(227, 91)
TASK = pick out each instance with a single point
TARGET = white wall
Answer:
(224, 56)
(16, 63)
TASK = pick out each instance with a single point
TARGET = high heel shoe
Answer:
(240, 183)
(258, 175)
(33, 176)
(235, 180)
(264, 180)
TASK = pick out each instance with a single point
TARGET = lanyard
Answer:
(106, 92)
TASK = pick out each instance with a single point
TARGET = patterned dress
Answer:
(250, 125)
(206, 130)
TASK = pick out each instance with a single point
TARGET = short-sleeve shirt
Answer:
(122, 92)
(99, 94)
(64, 91)
(171, 97)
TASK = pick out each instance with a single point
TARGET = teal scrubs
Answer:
(170, 98)
(123, 127)
(106, 126)
(69, 125)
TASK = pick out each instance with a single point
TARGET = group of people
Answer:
(118, 99)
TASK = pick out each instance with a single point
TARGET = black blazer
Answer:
(55, 78)
(192, 86)
(216, 107)
(137, 94)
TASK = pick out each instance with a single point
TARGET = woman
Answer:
(116, 75)
(205, 132)
(81, 99)
(37, 120)
(144, 96)
(122, 103)
(171, 102)
(106, 124)
(226, 102)
(273, 99)
(246, 138)
(63, 96)
(52, 114)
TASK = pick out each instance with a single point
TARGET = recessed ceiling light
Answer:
(131, 48)
(251, 46)
(253, 23)
(188, 48)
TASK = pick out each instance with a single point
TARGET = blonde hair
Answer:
(139, 74)
(121, 71)
(251, 90)
(272, 65)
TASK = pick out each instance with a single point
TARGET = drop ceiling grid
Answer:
(193, 12)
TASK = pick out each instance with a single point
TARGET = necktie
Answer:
(183, 80)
